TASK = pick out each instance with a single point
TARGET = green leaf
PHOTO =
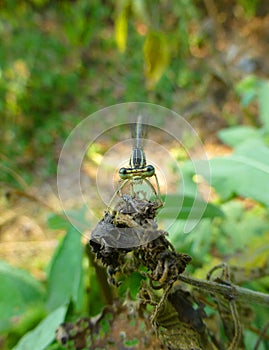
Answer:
(72, 216)
(131, 283)
(244, 231)
(18, 291)
(140, 11)
(156, 56)
(197, 243)
(131, 343)
(66, 270)
(247, 89)
(244, 173)
(263, 100)
(233, 136)
(57, 222)
(179, 207)
(44, 333)
(121, 24)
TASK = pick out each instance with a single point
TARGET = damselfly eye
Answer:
(150, 170)
(123, 173)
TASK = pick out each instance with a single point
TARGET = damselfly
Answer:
(138, 171)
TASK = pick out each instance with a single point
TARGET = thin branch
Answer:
(237, 327)
(228, 290)
(16, 176)
(226, 276)
(34, 198)
(261, 336)
(161, 303)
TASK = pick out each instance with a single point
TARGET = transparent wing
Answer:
(139, 131)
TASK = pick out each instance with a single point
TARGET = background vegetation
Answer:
(61, 61)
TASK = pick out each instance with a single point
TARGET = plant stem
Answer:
(228, 290)
(101, 277)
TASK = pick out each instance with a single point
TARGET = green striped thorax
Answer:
(138, 165)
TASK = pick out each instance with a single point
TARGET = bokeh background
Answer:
(63, 60)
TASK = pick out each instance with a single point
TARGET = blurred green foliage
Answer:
(46, 68)
(59, 62)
